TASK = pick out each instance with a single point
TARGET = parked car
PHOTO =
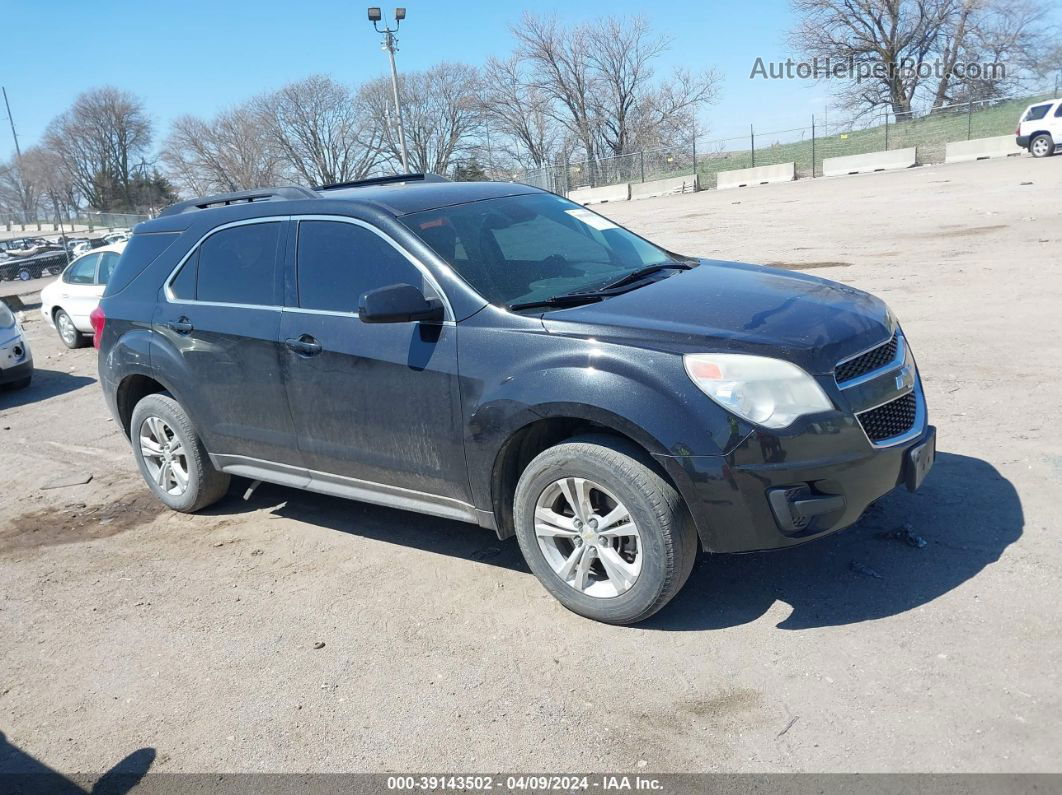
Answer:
(496, 354)
(67, 302)
(16, 360)
(1040, 128)
(116, 237)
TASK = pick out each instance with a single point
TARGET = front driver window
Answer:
(337, 262)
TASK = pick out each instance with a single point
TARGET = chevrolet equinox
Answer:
(495, 354)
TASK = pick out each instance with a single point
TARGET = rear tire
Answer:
(171, 456)
(68, 333)
(1042, 146)
(635, 568)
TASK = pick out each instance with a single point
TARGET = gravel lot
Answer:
(125, 627)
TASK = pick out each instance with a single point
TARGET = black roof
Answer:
(394, 195)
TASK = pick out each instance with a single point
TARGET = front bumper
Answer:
(740, 501)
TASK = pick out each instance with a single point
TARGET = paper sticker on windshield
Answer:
(591, 219)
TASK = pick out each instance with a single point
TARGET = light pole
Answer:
(390, 42)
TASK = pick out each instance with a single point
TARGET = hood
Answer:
(729, 306)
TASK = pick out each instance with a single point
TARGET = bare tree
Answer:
(918, 48)
(98, 142)
(230, 152)
(323, 130)
(517, 114)
(19, 190)
(599, 81)
(560, 64)
(441, 115)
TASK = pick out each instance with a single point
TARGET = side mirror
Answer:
(398, 303)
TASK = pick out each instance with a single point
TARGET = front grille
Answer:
(867, 362)
(891, 419)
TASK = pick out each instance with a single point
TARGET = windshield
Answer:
(522, 249)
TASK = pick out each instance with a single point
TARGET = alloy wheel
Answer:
(164, 456)
(66, 328)
(1040, 147)
(588, 537)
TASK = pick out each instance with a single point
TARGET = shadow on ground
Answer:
(46, 384)
(966, 511)
(22, 773)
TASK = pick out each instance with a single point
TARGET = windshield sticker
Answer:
(591, 219)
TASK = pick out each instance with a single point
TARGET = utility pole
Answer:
(390, 43)
(18, 160)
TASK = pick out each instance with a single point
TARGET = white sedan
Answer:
(67, 302)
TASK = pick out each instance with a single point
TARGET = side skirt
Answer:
(352, 489)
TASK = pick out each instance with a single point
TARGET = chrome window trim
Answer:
(167, 287)
(414, 261)
(896, 361)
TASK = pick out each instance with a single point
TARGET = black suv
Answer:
(496, 354)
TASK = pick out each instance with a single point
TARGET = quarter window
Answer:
(108, 259)
(338, 262)
(1037, 113)
(235, 266)
(83, 271)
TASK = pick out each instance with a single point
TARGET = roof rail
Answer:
(390, 179)
(240, 197)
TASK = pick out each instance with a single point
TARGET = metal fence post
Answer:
(886, 131)
(813, 146)
(969, 120)
(695, 155)
(752, 139)
(641, 156)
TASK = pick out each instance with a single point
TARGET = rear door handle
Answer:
(182, 325)
(305, 345)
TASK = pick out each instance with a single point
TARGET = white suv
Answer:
(1040, 128)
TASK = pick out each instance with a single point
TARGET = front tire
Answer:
(602, 530)
(68, 333)
(1042, 146)
(171, 456)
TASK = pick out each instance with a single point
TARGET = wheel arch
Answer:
(554, 425)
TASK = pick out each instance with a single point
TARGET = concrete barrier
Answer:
(872, 161)
(664, 187)
(606, 193)
(759, 175)
(981, 149)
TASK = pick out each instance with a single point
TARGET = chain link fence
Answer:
(807, 147)
(71, 223)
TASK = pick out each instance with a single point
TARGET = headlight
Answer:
(7, 319)
(768, 392)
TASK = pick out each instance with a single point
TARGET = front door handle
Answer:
(305, 345)
(181, 325)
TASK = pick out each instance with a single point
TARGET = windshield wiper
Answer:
(564, 299)
(600, 293)
(641, 273)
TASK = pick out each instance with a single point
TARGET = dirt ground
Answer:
(126, 627)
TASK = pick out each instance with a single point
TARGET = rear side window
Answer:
(238, 265)
(139, 252)
(108, 259)
(83, 271)
(1038, 112)
(1058, 110)
(337, 262)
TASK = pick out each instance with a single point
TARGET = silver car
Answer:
(16, 361)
